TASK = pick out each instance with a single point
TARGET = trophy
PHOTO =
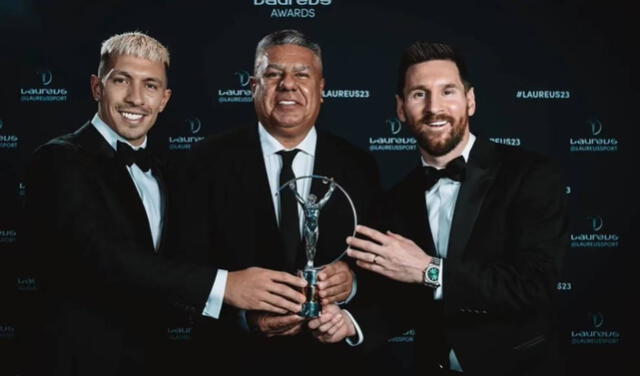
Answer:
(310, 231)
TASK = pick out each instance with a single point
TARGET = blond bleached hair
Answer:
(132, 44)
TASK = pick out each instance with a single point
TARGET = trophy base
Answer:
(312, 307)
(310, 310)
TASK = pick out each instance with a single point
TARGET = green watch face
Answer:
(433, 273)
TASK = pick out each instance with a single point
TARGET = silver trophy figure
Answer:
(310, 230)
(311, 209)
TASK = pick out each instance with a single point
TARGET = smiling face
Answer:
(436, 107)
(131, 95)
(287, 90)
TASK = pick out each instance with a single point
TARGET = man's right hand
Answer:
(275, 325)
(264, 290)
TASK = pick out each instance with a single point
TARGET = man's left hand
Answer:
(332, 326)
(336, 282)
(390, 254)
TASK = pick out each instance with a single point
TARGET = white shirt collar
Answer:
(111, 136)
(270, 145)
(465, 151)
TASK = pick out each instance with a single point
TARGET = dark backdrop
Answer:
(550, 75)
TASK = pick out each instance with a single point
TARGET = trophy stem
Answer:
(311, 308)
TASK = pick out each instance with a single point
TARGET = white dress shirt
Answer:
(302, 165)
(441, 202)
(145, 183)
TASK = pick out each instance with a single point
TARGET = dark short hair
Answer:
(419, 52)
(288, 36)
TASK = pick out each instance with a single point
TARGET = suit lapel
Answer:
(254, 183)
(116, 178)
(482, 168)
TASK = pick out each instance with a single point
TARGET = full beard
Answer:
(438, 145)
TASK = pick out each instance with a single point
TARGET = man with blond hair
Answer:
(96, 209)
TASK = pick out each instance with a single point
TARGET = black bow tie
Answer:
(455, 170)
(141, 157)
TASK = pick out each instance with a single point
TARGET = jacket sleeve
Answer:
(80, 245)
(522, 277)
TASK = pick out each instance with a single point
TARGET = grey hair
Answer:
(280, 37)
(132, 44)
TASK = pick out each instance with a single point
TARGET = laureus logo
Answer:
(27, 284)
(408, 336)
(292, 8)
(596, 238)
(597, 223)
(395, 125)
(596, 142)
(244, 77)
(194, 125)
(597, 334)
(396, 143)
(238, 95)
(43, 93)
(596, 126)
(8, 141)
(179, 333)
(45, 77)
(597, 319)
(7, 331)
(182, 142)
(8, 236)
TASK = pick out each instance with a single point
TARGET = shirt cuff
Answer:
(350, 341)
(437, 294)
(354, 290)
(213, 306)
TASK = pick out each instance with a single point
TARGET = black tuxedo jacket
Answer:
(105, 285)
(508, 236)
(236, 214)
